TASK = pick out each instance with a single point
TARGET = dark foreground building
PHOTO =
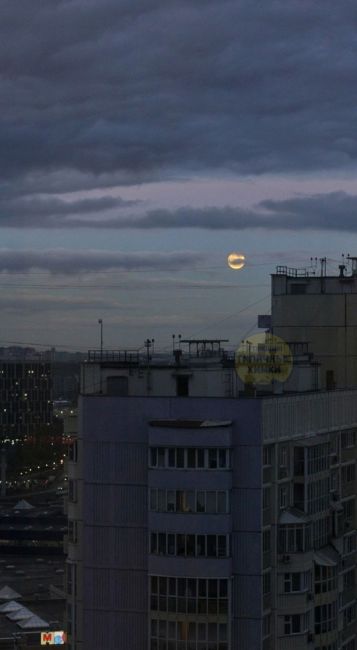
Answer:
(200, 519)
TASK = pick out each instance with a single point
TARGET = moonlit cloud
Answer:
(73, 262)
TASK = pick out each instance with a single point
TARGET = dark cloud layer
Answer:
(135, 90)
(72, 262)
(47, 211)
(335, 211)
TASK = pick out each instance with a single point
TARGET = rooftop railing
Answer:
(130, 357)
(292, 273)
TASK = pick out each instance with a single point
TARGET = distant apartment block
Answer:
(322, 311)
(25, 398)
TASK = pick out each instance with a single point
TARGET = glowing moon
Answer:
(236, 261)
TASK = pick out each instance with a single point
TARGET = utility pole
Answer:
(100, 322)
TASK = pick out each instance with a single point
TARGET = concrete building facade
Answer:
(320, 311)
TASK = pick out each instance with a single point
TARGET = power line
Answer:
(128, 288)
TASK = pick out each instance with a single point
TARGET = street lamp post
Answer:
(100, 322)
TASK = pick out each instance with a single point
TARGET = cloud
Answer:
(47, 211)
(73, 262)
(130, 91)
(33, 303)
(334, 211)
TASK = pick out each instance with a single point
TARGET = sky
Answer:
(142, 141)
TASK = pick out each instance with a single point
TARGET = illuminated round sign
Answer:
(263, 358)
(236, 261)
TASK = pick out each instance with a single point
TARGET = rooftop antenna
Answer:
(323, 263)
(313, 262)
(148, 344)
(173, 342)
(342, 267)
(353, 261)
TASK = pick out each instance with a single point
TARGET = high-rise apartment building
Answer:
(200, 519)
(25, 397)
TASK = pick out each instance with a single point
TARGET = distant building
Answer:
(25, 398)
(200, 519)
(320, 311)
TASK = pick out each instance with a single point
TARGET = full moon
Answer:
(236, 261)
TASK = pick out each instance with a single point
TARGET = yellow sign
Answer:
(53, 638)
(263, 358)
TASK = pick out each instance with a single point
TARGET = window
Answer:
(283, 455)
(189, 545)
(325, 618)
(266, 541)
(161, 457)
(181, 634)
(72, 531)
(322, 531)
(296, 582)
(189, 458)
(266, 625)
(200, 598)
(296, 624)
(349, 508)
(325, 578)
(267, 455)
(318, 495)
(349, 543)
(349, 579)
(318, 458)
(266, 583)
(348, 439)
(299, 461)
(334, 481)
(72, 490)
(294, 538)
(284, 496)
(187, 501)
(266, 498)
(348, 473)
(71, 579)
(350, 645)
